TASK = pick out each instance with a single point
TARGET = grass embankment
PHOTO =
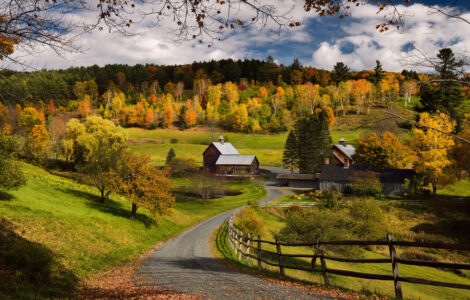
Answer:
(53, 233)
(268, 148)
(438, 222)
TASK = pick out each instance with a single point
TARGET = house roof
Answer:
(348, 150)
(225, 148)
(339, 173)
(297, 176)
(238, 160)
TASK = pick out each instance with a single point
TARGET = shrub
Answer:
(153, 126)
(249, 222)
(366, 183)
(332, 198)
(253, 203)
(305, 225)
(173, 141)
(181, 166)
(368, 218)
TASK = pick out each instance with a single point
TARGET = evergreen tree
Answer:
(313, 142)
(290, 155)
(378, 73)
(169, 157)
(341, 73)
(447, 96)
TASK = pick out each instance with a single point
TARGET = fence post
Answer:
(279, 257)
(230, 232)
(323, 262)
(236, 241)
(240, 247)
(393, 256)
(259, 252)
(247, 258)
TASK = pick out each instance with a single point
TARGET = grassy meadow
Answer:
(53, 233)
(190, 143)
(402, 218)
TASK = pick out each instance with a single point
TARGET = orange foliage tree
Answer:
(84, 108)
(189, 117)
(144, 185)
(50, 108)
(149, 117)
(168, 116)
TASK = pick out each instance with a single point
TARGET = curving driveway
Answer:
(185, 264)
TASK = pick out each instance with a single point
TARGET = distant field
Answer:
(59, 229)
(268, 148)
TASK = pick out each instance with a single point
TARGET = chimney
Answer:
(327, 160)
(342, 141)
(346, 163)
(221, 140)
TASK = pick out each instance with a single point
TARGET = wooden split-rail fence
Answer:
(248, 247)
(289, 204)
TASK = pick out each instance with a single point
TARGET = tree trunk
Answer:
(134, 210)
(434, 190)
(103, 196)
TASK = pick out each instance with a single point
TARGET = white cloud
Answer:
(156, 44)
(424, 31)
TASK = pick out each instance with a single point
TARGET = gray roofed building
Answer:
(235, 160)
(226, 148)
(348, 150)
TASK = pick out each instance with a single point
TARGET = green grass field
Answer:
(268, 148)
(60, 229)
(410, 291)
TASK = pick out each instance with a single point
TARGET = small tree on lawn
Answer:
(144, 185)
(11, 175)
(169, 157)
(205, 186)
(259, 182)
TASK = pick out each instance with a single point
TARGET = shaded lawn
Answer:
(85, 237)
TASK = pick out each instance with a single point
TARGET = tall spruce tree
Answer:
(313, 142)
(341, 73)
(169, 157)
(447, 96)
(290, 155)
(378, 73)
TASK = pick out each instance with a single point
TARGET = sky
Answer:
(319, 42)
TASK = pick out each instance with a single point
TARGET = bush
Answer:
(368, 218)
(153, 126)
(332, 198)
(181, 166)
(249, 222)
(366, 183)
(253, 203)
(173, 141)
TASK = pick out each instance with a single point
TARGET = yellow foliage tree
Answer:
(168, 116)
(38, 143)
(432, 148)
(189, 117)
(240, 117)
(28, 118)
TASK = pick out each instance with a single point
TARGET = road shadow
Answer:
(29, 270)
(112, 207)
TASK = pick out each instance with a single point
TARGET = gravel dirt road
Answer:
(185, 264)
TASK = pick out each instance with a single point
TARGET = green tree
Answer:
(290, 156)
(447, 96)
(313, 142)
(104, 145)
(169, 157)
(378, 73)
(341, 73)
(11, 175)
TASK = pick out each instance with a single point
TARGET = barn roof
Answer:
(225, 148)
(348, 150)
(339, 173)
(238, 160)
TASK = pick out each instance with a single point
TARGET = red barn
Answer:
(343, 153)
(223, 158)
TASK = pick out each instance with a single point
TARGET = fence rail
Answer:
(251, 248)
